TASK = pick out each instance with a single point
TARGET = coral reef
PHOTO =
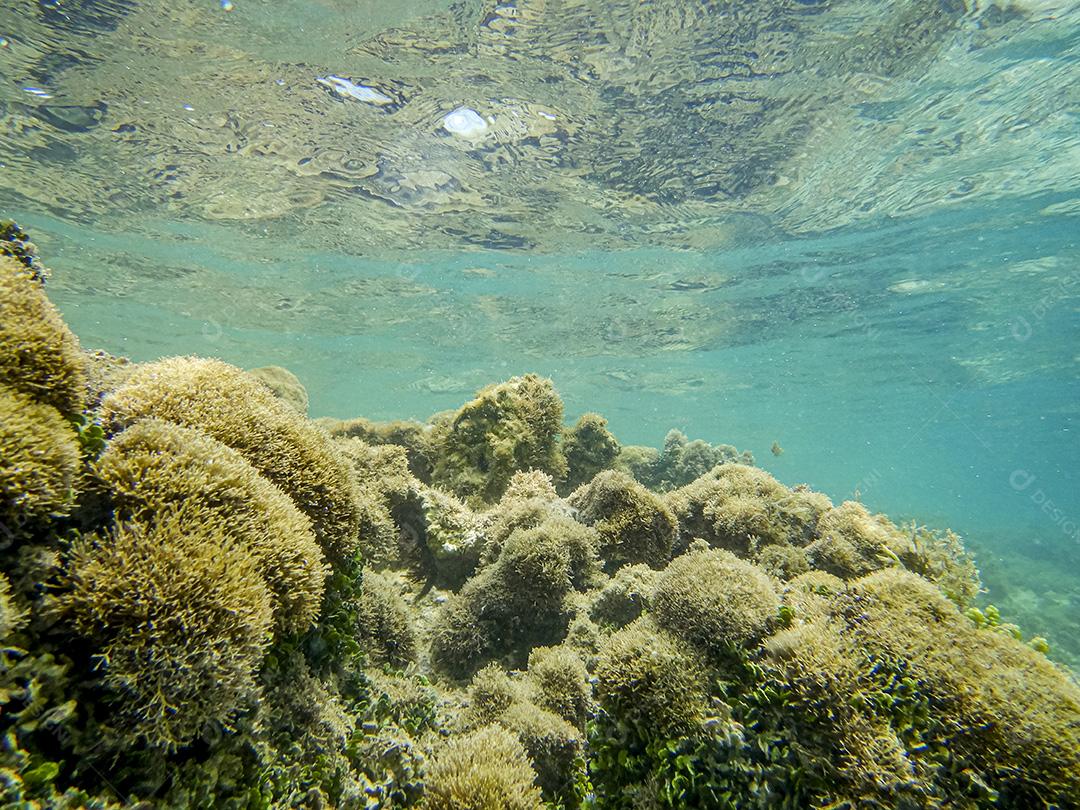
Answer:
(714, 600)
(181, 616)
(384, 626)
(39, 466)
(648, 679)
(679, 462)
(482, 770)
(519, 600)
(413, 437)
(590, 448)
(207, 600)
(560, 683)
(155, 465)
(623, 597)
(634, 525)
(383, 484)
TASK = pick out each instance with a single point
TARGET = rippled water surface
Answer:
(852, 228)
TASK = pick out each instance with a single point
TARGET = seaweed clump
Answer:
(228, 405)
(590, 448)
(482, 770)
(509, 427)
(40, 463)
(284, 385)
(155, 465)
(182, 618)
(678, 462)
(518, 601)
(634, 525)
(39, 355)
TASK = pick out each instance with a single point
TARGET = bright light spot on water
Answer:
(464, 121)
(360, 92)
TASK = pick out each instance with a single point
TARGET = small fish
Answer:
(777, 450)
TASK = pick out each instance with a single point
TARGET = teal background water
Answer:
(896, 304)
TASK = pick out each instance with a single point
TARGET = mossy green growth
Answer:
(634, 525)
(851, 542)
(900, 694)
(487, 769)
(678, 463)
(491, 693)
(782, 561)
(284, 385)
(714, 601)
(181, 616)
(443, 539)
(590, 448)
(940, 557)
(648, 679)
(229, 405)
(39, 464)
(385, 486)
(155, 465)
(558, 681)
(39, 738)
(11, 615)
(512, 426)
(529, 500)
(39, 355)
(384, 624)
(738, 507)
(554, 747)
(414, 437)
(622, 598)
(519, 600)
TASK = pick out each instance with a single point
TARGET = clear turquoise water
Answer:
(876, 265)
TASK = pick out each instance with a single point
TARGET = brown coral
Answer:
(39, 355)
(229, 405)
(155, 465)
(181, 617)
(39, 464)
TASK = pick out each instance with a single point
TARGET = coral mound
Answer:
(39, 355)
(229, 405)
(39, 466)
(509, 427)
(156, 465)
(182, 617)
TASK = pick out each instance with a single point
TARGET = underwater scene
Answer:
(539, 404)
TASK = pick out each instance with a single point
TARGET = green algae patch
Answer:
(508, 427)
(39, 355)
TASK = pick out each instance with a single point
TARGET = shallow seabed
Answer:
(846, 227)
